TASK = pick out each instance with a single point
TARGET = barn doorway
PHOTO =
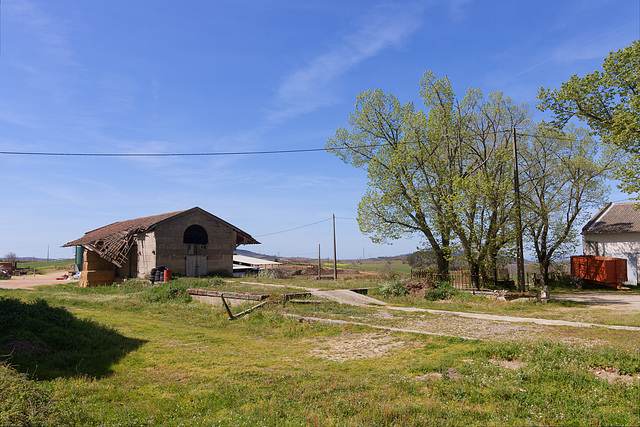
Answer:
(195, 237)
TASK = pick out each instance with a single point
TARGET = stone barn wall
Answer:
(146, 252)
(171, 251)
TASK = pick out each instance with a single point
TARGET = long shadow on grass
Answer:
(49, 342)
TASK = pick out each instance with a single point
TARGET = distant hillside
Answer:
(254, 254)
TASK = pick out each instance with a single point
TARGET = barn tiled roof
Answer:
(138, 225)
(615, 218)
(112, 242)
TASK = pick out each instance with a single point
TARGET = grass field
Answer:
(136, 355)
(41, 267)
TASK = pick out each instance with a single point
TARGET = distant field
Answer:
(46, 266)
(381, 265)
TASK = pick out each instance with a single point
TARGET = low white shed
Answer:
(615, 232)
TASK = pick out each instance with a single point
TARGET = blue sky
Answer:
(168, 76)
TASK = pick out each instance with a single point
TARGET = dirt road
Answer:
(610, 300)
(29, 281)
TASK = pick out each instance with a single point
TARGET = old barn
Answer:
(191, 242)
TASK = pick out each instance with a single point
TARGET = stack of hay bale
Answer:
(96, 271)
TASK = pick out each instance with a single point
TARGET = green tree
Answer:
(415, 260)
(424, 258)
(562, 175)
(481, 205)
(402, 195)
(609, 102)
(442, 172)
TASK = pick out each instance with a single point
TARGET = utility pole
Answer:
(319, 264)
(516, 188)
(335, 259)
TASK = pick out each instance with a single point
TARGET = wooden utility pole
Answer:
(335, 259)
(516, 189)
(319, 264)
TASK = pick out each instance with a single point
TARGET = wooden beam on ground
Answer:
(249, 310)
(231, 316)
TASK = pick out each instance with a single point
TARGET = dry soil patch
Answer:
(357, 346)
(29, 281)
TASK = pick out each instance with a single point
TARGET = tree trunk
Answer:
(474, 270)
(544, 279)
(443, 262)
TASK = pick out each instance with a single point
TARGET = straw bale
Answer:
(96, 278)
(93, 261)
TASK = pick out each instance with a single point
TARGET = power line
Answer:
(235, 153)
(303, 226)
(295, 228)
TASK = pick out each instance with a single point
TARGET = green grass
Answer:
(120, 358)
(42, 267)
(382, 266)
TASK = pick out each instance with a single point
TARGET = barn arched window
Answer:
(195, 234)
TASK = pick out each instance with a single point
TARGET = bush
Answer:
(442, 291)
(395, 288)
(274, 273)
(388, 272)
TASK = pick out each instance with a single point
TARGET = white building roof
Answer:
(243, 259)
(615, 218)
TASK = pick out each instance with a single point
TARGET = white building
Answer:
(615, 232)
(243, 264)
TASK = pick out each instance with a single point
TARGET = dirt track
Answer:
(29, 281)
(611, 300)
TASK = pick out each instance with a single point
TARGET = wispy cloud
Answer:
(49, 35)
(572, 51)
(458, 9)
(307, 89)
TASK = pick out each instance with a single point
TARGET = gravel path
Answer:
(353, 298)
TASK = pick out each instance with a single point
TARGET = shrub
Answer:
(274, 273)
(394, 288)
(442, 291)
(388, 272)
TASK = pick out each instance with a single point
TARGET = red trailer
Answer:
(602, 270)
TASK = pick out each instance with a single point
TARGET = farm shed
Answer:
(242, 264)
(191, 242)
(615, 232)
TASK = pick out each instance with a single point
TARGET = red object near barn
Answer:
(602, 270)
